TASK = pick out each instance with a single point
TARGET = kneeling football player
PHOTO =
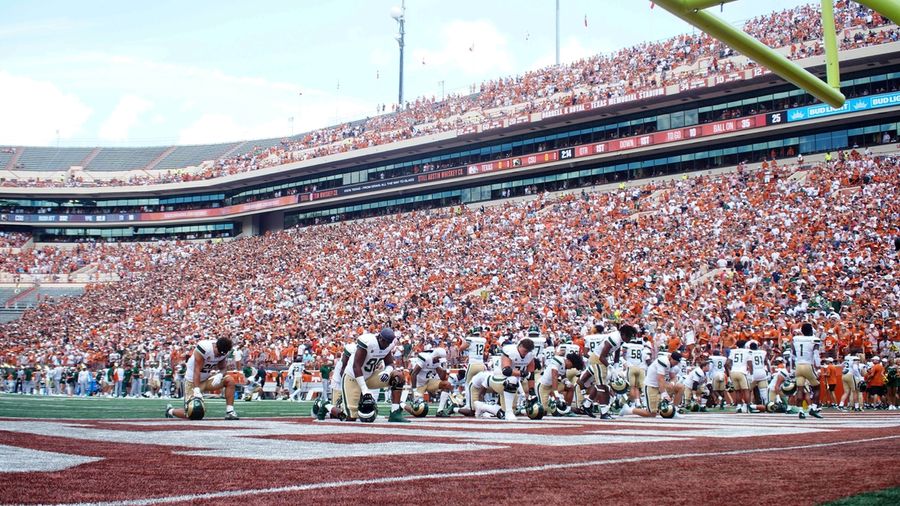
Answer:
(429, 374)
(206, 372)
(657, 385)
(372, 368)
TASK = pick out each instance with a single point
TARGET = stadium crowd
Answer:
(697, 264)
(631, 70)
(13, 239)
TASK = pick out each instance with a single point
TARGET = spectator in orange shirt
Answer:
(833, 375)
(875, 382)
(673, 344)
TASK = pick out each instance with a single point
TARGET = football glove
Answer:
(665, 396)
(216, 381)
(386, 374)
(197, 393)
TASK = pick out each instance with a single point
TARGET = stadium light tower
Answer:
(399, 15)
(557, 33)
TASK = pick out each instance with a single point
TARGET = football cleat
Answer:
(815, 413)
(606, 416)
(231, 415)
(587, 408)
(802, 415)
(397, 416)
(169, 411)
(501, 415)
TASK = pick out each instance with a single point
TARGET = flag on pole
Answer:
(585, 20)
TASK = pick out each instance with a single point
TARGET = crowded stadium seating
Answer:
(645, 66)
(782, 245)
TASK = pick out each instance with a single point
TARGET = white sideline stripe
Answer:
(462, 474)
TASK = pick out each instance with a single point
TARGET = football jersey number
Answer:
(370, 364)
(720, 364)
(635, 354)
(479, 350)
(757, 361)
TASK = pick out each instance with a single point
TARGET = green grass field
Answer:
(28, 406)
(886, 497)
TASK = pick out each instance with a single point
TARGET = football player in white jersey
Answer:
(334, 406)
(740, 369)
(759, 380)
(372, 367)
(475, 390)
(205, 372)
(553, 383)
(658, 385)
(429, 374)
(719, 379)
(780, 375)
(601, 348)
(516, 366)
(851, 379)
(696, 385)
(637, 356)
(473, 347)
(807, 361)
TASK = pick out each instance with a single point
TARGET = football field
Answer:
(121, 451)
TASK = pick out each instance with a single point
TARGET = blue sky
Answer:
(114, 73)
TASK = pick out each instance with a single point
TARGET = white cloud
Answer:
(571, 50)
(34, 111)
(471, 47)
(124, 116)
(210, 128)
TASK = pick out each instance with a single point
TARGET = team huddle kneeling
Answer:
(527, 379)
(532, 379)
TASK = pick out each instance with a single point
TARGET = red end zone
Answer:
(743, 459)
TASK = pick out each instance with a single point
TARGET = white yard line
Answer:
(467, 474)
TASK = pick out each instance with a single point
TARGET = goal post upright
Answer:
(832, 61)
(692, 11)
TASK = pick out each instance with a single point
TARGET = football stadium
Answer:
(660, 272)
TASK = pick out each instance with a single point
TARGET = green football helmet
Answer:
(195, 408)
(788, 387)
(666, 409)
(619, 386)
(419, 408)
(534, 409)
